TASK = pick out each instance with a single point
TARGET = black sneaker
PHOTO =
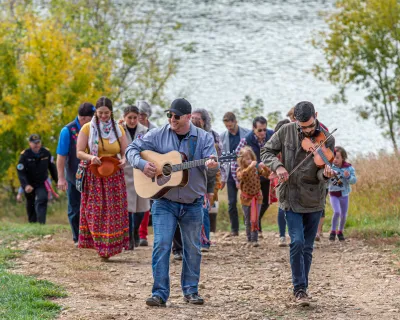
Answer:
(302, 298)
(156, 301)
(332, 236)
(178, 256)
(341, 236)
(131, 244)
(143, 243)
(193, 298)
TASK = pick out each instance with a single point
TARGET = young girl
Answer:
(249, 173)
(339, 192)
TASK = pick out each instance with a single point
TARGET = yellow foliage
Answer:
(51, 79)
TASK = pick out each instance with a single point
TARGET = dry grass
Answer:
(375, 200)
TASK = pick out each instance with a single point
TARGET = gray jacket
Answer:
(135, 203)
(305, 190)
(224, 136)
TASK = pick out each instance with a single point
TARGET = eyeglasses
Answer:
(261, 130)
(170, 116)
(311, 126)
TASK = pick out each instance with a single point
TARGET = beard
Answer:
(309, 134)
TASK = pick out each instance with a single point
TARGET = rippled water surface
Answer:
(261, 49)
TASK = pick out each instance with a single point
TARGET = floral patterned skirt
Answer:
(104, 217)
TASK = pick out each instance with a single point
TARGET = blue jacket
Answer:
(345, 188)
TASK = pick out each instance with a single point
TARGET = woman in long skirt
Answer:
(104, 211)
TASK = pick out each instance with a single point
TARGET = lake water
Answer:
(261, 49)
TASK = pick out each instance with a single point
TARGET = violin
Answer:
(322, 155)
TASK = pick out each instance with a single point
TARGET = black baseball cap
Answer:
(35, 138)
(180, 107)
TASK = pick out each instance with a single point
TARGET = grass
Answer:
(23, 297)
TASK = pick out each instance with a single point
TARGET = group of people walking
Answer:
(97, 154)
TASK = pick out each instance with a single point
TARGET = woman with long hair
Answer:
(137, 206)
(104, 212)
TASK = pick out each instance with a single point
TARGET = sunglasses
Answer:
(261, 130)
(170, 116)
(307, 127)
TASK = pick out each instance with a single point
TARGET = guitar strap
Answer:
(192, 145)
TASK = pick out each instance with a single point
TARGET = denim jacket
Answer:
(346, 182)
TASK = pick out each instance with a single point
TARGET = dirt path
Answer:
(348, 281)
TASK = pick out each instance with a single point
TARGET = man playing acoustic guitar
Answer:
(181, 205)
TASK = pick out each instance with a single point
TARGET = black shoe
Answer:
(193, 298)
(332, 236)
(234, 233)
(131, 244)
(178, 256)
(137, 242)
(143, 243)
(341, 236)
(156, 301)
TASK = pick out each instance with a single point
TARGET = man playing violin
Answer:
(302, 194)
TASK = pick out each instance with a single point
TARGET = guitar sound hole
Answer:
(167, 170)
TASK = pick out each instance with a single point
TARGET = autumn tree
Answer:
(56, 54)
(361, 49)
(43, 79)
(136, 42)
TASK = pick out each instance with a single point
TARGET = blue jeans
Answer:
(206, 224)
(302, 229)
(281, 222)
(166, 215)
(74, 207)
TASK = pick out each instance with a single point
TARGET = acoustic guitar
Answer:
(171, 171)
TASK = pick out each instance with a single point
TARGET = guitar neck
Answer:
(188, 165)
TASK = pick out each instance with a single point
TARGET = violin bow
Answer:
(309, 155)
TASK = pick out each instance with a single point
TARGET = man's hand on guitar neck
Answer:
(212, 163)
(150, 170)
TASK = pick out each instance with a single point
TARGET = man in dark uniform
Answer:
(32, 173)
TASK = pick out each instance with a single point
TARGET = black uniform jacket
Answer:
(32, 168)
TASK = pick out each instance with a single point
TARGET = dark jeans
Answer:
(74, 207)
(265, 183)
(135, 219)
(302, 229)
(206, 225)
(166, 216)
(281, 222)
(36, 204)
(232, 200)
(213, 222)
